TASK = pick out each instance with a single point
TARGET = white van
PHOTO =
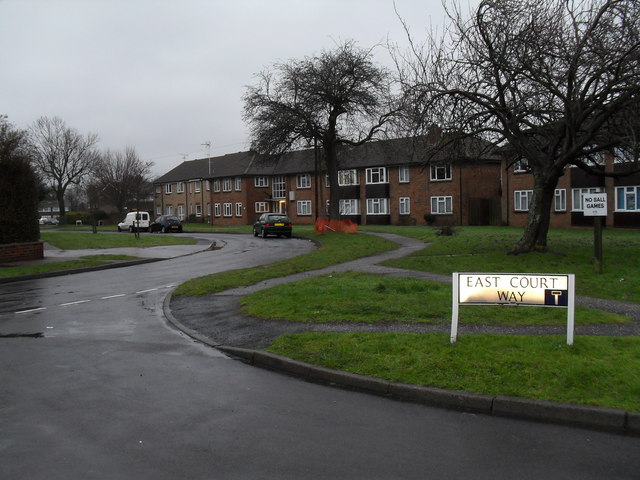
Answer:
(134, 220)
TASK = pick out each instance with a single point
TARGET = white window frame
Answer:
(198, 210)
(208, 185)
(625, 196)
(238, 209)
(303, 208)
(217, 209)
(197, 186)
(279, 187)
(261, 182)
(346, 178)
(181, 212)
(560, 200)
(168, 188)
(158, 210)
(377, 206)
(376, 175)
(303, 181)
(227, 209)
(403, 174)
(226, 184)
(440, 172)
(442, 205)
(216, 185)
(208, 209)
(169, 209)
(262, 207)
(522, 200)
(521, 166)
(180, 187)
(349, 206)
(238, 182)
(405, 206)
(576, 197)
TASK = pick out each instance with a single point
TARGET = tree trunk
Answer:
(61, 206)
(536, 229)
(331, 161)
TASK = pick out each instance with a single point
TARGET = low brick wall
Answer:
(15, 252)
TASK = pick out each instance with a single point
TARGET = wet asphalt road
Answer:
(111, 391)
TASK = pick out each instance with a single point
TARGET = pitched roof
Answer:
(383, 153)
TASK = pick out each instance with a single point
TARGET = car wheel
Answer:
(165, 230)
(288, 235)
(255, 232)
(119, 229)
(263, 233)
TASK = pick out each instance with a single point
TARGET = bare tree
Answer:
(555, 82)
(63, 156)
(337, 98)
(121, 177)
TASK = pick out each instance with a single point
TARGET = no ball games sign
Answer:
(514, 289)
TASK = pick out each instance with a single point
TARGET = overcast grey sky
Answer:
(166, 76)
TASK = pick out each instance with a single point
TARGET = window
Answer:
(216, 185)
(627, 199)
(440, 172)
(303, 207)
(377, 206)
(167, 188)
(303, 180)
(347, 177)
(158, 210)
(522, 200)
(181, 212)
(198, 210)
(376, 175)
(403, 174)
(208, 185)
(169, 210)
(158, 188)
(560, 200)
(278, 188)
(261, 207)
(217, 211)
(208, 209)
(576, 197)
(260, 181)
(227, 209)
(350, 207)
(521, 166)
(441, 205)
(238, 209)
(405, 205)
(180, 187)
(197, 186)
(226, 184)
(238, 184)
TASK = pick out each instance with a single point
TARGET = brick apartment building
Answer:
(623, 194)
(385, 182)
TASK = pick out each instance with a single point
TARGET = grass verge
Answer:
(84, 262)
(602, 371)
(333, 249)
(80, 240)
(484, 249)
(367, 298)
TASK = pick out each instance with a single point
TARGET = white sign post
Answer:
(514, 289)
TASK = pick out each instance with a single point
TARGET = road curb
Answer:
(590, 417)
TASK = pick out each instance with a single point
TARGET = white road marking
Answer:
(74, 303)
(147, 291)
(32, 310)
(114, 296)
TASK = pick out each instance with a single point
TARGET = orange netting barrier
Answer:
(338, 226)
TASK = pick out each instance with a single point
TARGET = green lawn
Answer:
(81, 240)
(367, 298)
(602, 371)
(484, 249)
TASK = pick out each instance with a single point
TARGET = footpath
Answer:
(216, 320)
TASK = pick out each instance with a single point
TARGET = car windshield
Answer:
(172, 219)
(278, 218)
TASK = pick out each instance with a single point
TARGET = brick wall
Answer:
(14, 252)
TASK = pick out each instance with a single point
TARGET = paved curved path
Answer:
(218, 317)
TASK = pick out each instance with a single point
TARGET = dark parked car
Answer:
(272, 224)
(166, 224)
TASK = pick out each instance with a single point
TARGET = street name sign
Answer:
(514, 289)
